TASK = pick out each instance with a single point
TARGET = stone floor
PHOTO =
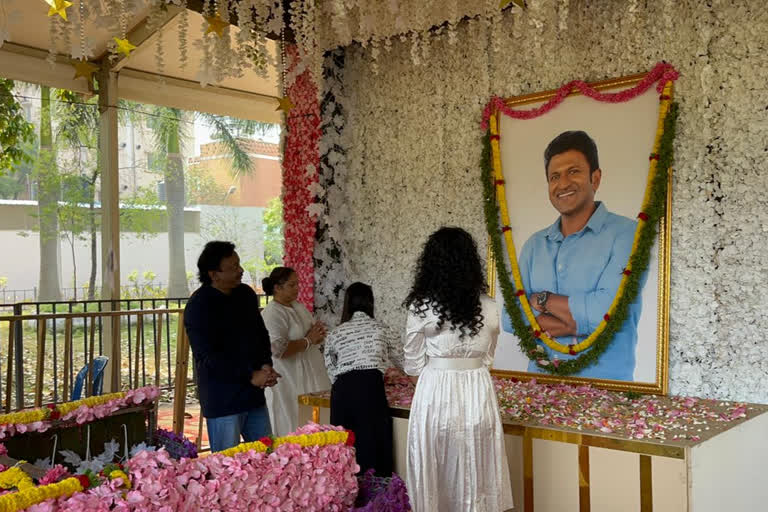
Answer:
(191, 422)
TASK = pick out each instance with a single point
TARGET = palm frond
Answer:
(224, 132)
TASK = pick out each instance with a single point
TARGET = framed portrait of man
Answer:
(575, 183)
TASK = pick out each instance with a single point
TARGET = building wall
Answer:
(20, 253)
(261, 185)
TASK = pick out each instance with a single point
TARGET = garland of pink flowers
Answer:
(660, 75)
(301, 160)
(83, 412)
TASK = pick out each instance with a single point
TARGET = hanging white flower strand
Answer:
(154, 23)
(375, 50)
(415, 57)
(204, 72)
(52, 38)
(563, 15)
(65, 29)
(183, 32)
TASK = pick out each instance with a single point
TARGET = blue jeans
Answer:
(225, 431)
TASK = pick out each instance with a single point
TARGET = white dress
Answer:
(456, 457)
(303, 372)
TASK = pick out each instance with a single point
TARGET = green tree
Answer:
(170, 130)
(78, 133)
(48, 192)
(13, 182)
(273, 233)
(75, 220)
(14, 129)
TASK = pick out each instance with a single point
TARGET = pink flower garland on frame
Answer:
(301, 161)
(662, 72)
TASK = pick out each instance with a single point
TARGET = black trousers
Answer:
(359, 404)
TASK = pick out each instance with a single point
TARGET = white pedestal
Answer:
(560, 470)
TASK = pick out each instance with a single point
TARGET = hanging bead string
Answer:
(51, 58)
(283, 65)
(81, 19)
(123, 18)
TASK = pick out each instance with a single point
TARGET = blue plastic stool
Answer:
(99, 363)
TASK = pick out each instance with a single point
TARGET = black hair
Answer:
(210, 259)
(358, 297)
(449, 279)
(573, 140)
(278, 276)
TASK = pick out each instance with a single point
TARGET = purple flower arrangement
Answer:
(177, 446)
(381, 494)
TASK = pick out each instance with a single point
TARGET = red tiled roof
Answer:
(252, 146)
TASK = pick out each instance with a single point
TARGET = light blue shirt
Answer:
(587, 267)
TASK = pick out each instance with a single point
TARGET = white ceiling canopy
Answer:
(182, 59)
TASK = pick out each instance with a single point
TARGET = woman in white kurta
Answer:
(456, 457)
(295, 337)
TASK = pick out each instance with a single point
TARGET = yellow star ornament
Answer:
(58, 7)
(215, 24)
(84, 69)
(124, 46)
(285, 104)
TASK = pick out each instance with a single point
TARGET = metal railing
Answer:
(142, 327)
(46, 343)
(138, 290)
(84, 325)
(88, 321)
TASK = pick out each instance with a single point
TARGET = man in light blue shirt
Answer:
(572, 269)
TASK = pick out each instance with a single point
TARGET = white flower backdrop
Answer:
(412, 142)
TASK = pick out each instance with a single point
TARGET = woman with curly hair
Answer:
(456, 457)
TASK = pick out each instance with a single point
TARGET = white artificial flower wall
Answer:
(412, 147)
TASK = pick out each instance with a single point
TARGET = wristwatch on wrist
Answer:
(541, 299)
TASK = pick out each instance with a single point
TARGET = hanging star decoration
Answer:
(285, 104)
(503, 4)
(84, 69)
(58, 7)
(215, 24)
(124, 46)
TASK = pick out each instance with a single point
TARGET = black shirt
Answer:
(229, 342)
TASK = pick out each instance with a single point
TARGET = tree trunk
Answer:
(92, 220)
(49, 285)
(174, 193)
(74, 267)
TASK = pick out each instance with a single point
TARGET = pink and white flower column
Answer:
(301, 159)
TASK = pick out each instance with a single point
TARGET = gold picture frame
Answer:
(659, 385)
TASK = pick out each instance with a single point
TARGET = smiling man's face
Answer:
(571, 186)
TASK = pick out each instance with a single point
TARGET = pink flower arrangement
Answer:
(292, 477)
(55, 474)
(610, 412)
(301, 161)
(83, 414)
(11, 429)
(399, 388)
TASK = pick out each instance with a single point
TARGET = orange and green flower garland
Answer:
(654, 207)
